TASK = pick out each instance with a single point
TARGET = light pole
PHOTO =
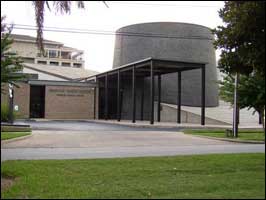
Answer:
(11, 104)
(235, 112)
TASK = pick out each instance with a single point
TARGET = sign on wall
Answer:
(70, 92)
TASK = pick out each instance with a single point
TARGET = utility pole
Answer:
(235, 112)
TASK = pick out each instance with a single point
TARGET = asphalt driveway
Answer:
(81, 139)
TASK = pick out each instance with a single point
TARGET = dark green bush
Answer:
(4, 112)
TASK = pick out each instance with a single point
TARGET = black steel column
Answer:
(152, 94)
(179, 97)
(260, 118)
(133, 95)
(203, 95)
(94, 104)
(142, 100)
(106, 98)
(118, 96)
(159, 99)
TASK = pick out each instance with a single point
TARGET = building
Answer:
(52, 90)
(157, 68)
(55, 54)
(163, 62)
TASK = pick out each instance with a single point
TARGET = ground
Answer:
(202, 176)
(25, 175)
(80, 139)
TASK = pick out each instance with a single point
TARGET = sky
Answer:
(99, 49)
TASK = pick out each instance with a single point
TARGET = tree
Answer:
(242, 44)
(11, 64)
(62, 6)
(242, 39)
(251, 92)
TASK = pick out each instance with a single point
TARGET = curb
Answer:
(230, 140)
(15, 139)
(158, 125)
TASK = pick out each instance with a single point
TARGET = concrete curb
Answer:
(15, 139)
(183, 126)
(230, 140)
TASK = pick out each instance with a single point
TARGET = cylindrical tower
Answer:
(173, 41)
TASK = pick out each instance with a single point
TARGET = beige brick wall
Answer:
(21, 99)
(69, 102)
(25, 49)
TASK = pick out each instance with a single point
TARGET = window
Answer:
(28, 60)
(65, 64)
(41, 62)
(54, 63)
(52, 54)
(77, 65)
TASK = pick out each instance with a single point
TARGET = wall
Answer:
(25, 49)
(42, 76)
(130, 49)
(69, 102)
(21, 99)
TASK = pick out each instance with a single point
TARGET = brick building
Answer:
(52, 89)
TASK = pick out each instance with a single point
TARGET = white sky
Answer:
(98, 49)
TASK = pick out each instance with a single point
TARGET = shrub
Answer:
(4, 112)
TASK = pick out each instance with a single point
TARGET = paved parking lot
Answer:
(80, 139)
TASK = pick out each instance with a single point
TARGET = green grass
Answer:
(10, 135)
(242, 135)
(201, 176)
(15, 129)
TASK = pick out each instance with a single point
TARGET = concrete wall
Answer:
(67, 102)
(169, 114)
(131, 48)
(42, 76)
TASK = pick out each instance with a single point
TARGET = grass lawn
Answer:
(10, 135)
(243, 134)
(201, 176)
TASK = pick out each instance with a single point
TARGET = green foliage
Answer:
(242, 38)
(251, 91)
(11, 64)
(5, 111)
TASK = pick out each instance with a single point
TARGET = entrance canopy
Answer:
(160, 66)
(150, 67)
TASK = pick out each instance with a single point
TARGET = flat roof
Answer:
(160, 66)
(60, 83)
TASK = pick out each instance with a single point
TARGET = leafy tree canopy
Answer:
(11, 64)
(242, 38)
(251, 91)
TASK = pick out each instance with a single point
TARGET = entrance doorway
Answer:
(37, 100)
